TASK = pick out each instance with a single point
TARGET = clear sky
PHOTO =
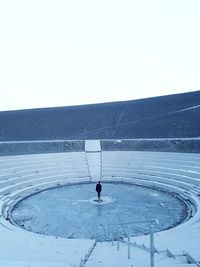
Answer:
(69, 52)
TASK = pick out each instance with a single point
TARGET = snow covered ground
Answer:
(23, 175)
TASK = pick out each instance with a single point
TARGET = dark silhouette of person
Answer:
(98, 189)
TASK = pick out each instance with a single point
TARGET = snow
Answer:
(94, 165)
(110, 255)
(29, 264)
(103, 201)
(106, 255)
(93, 154)
(92, 146)
(24, 175)
(25, 247)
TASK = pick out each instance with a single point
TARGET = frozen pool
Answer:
(70, 211)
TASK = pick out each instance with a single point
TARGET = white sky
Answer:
(69, 52)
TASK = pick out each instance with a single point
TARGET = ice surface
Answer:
(68, 211)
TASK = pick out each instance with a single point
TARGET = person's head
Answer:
(99, 182)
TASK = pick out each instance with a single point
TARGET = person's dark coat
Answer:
(98, 188)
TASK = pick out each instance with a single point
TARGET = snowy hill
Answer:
(159, 117)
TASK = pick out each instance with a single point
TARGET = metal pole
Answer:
(117, 237)
(112, 237)
(129, 243)
(152, 245)
(108, 233)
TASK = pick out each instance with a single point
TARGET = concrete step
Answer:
(106, 255)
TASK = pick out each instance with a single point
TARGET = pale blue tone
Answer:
(64, 52)
(68, 212)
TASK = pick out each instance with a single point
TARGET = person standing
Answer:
(98, 189)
